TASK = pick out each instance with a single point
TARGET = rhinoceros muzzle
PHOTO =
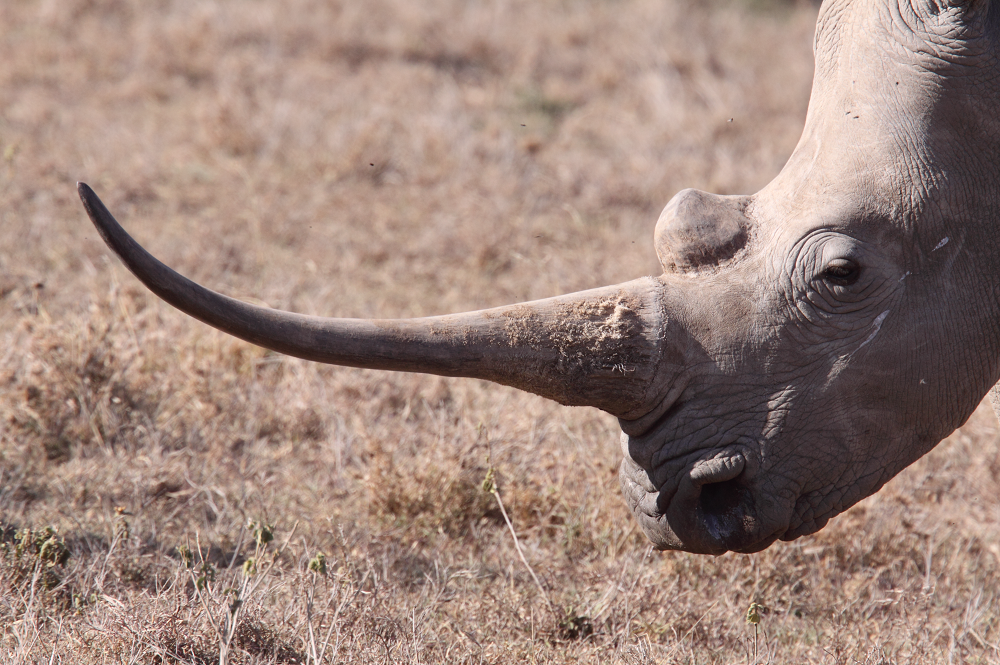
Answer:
(708, 504)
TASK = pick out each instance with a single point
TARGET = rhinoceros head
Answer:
(803, 345)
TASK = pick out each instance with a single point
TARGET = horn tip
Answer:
(87, 195)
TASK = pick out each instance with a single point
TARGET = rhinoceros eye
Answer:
(842, 272)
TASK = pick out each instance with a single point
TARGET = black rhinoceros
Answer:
(803, 344)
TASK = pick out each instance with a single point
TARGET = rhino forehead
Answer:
(901, 131)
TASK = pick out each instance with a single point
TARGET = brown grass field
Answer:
(394, 158)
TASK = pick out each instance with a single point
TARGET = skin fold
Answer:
(803, 344)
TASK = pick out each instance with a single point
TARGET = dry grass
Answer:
(394, 158)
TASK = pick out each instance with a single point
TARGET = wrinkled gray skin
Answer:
(803, 344)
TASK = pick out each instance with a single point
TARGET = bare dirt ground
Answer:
(395, 158)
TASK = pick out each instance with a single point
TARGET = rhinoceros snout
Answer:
(711, 507)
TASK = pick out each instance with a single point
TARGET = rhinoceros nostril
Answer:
(723, 502)
(728, 513)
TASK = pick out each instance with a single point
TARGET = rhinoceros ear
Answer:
(970, 11)
(937, 6)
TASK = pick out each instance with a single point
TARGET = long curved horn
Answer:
(597, 348)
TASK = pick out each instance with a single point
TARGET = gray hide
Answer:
(803, 345)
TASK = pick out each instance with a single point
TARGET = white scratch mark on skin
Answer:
(907, 273)
(842, 362)
(839, 365)
(944, 241)
(877, 325)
